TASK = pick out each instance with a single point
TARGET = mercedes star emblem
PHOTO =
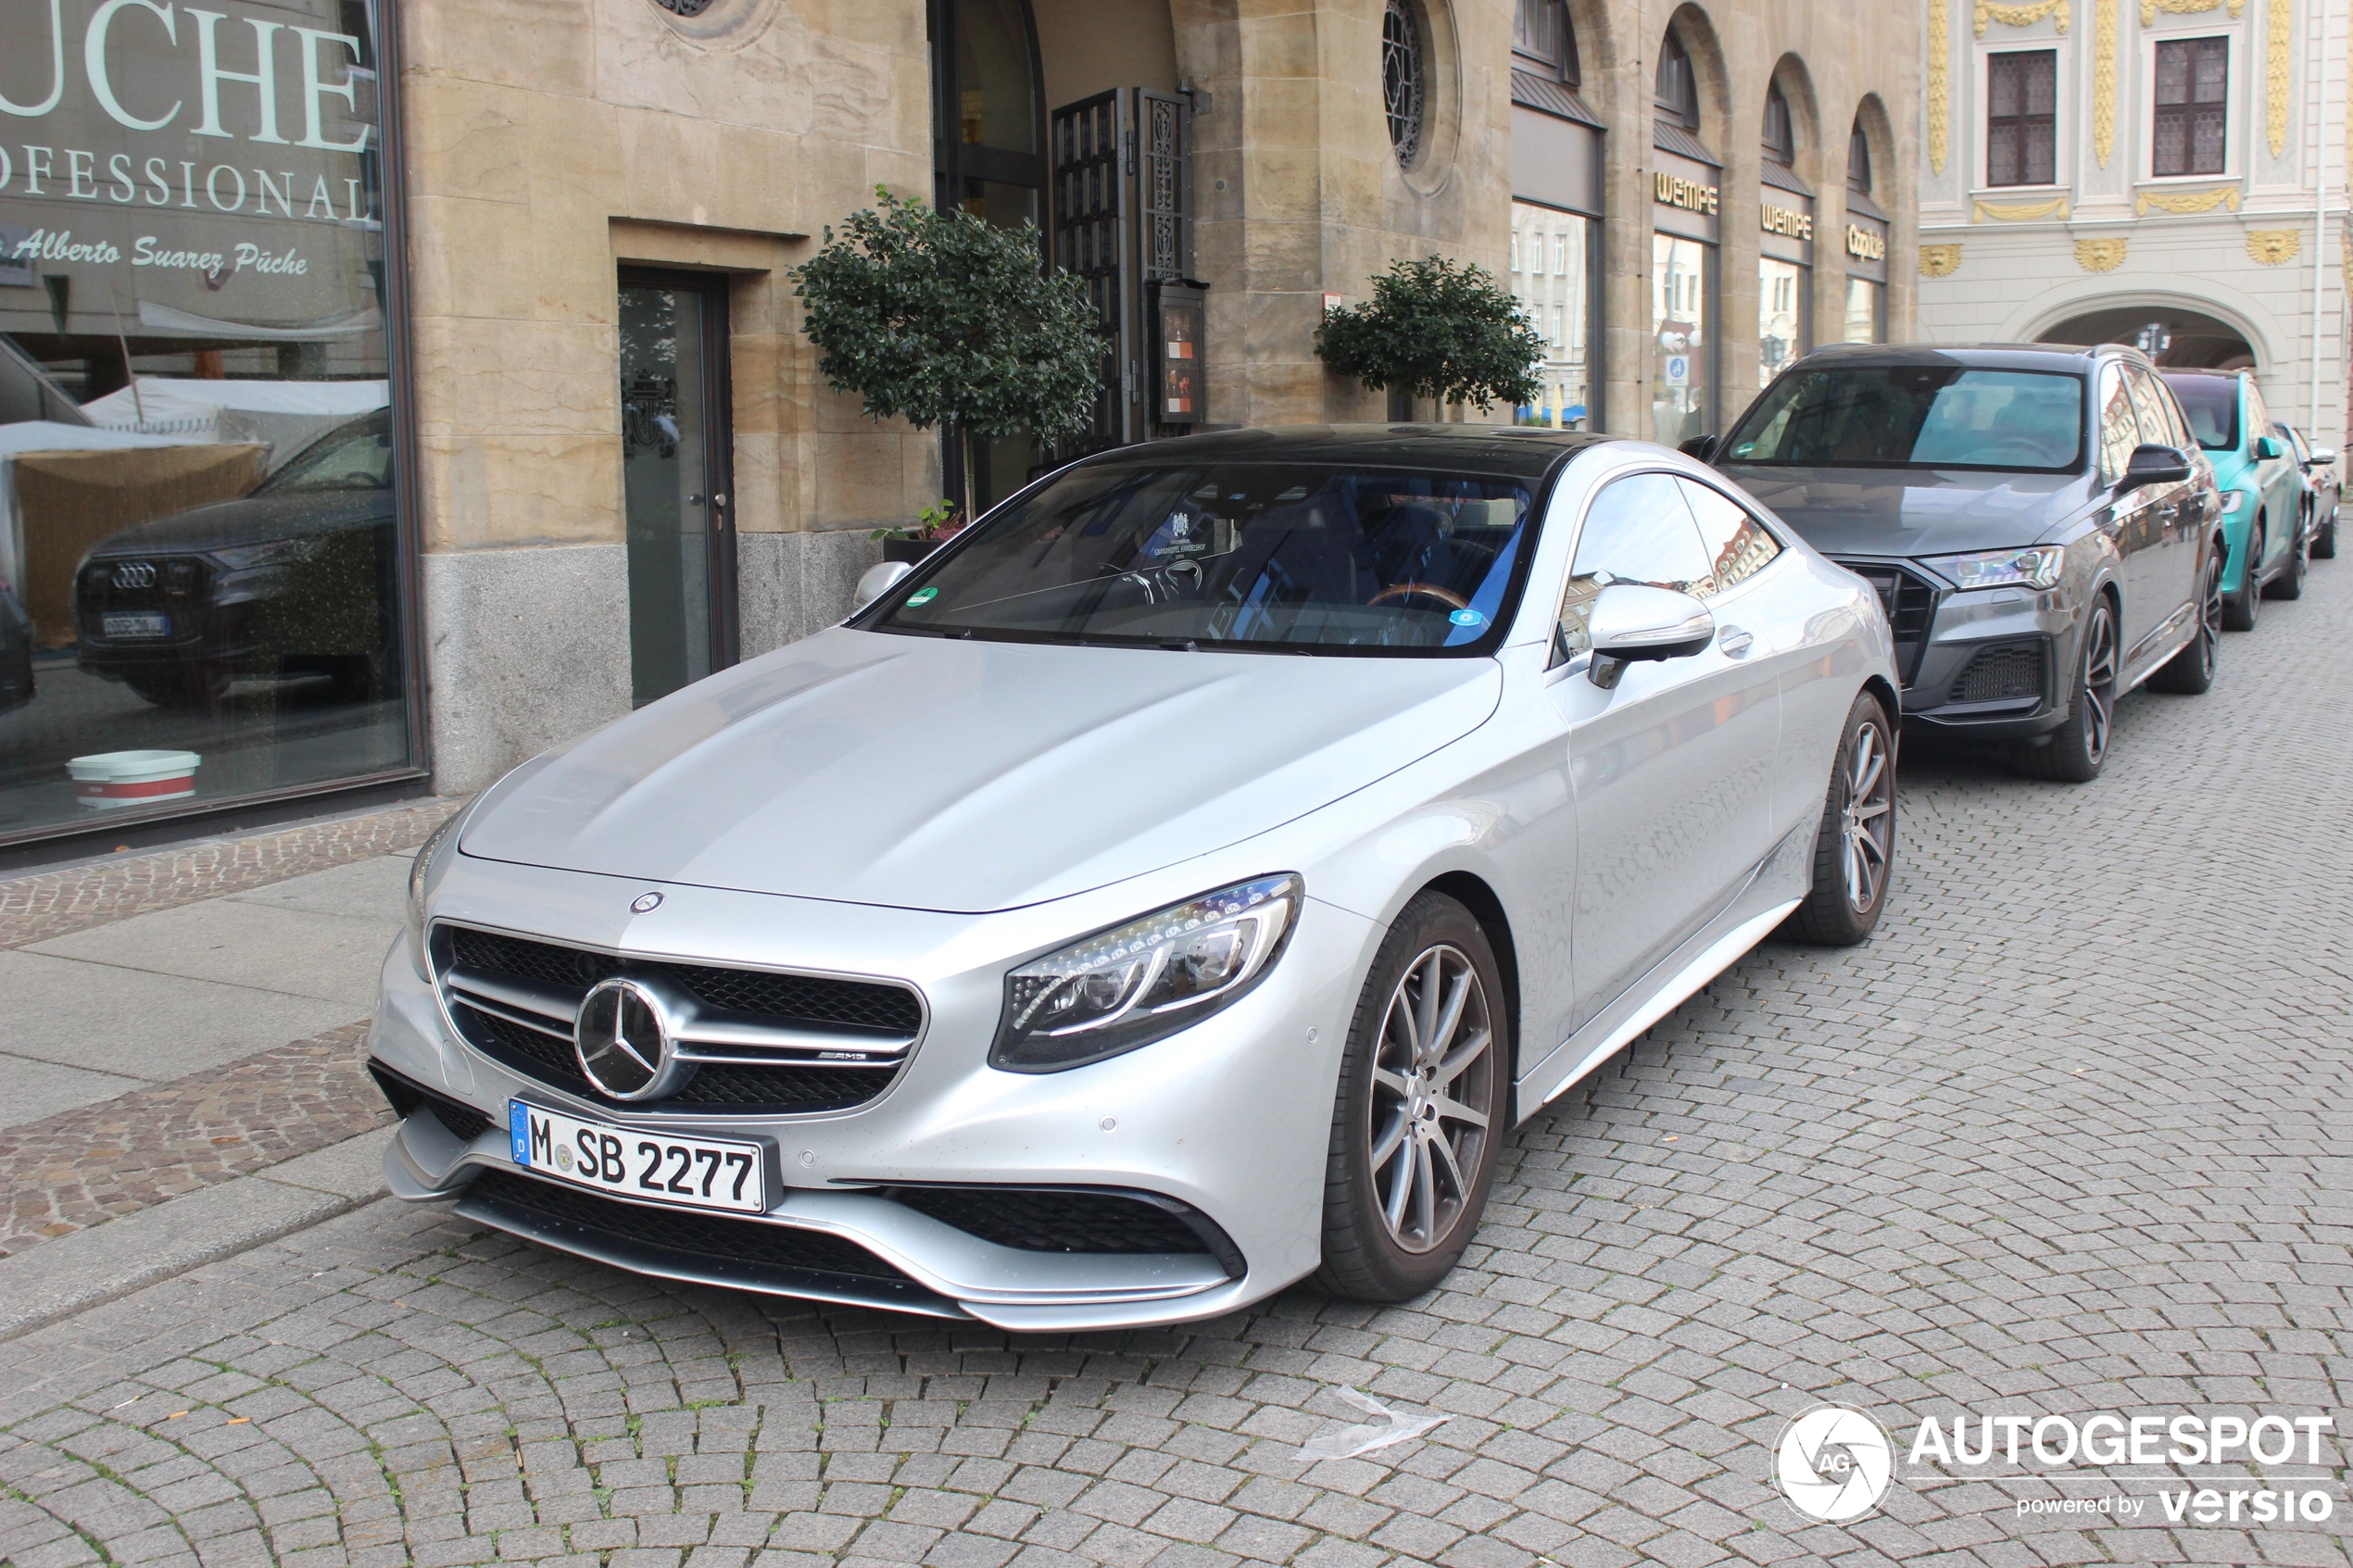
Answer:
(645, 903)
(621, 1035)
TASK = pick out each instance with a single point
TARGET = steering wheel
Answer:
(1423, 591)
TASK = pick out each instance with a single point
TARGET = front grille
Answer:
(1072, 1220)
(1910, 605)
(2004, 673)
(861, 1013)
(147, 583)
(789, 999)
(681, 1232)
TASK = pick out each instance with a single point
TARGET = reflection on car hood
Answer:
(253, 520)
(1912, 511)
(971, 776)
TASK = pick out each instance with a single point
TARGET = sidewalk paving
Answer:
(182, 1068)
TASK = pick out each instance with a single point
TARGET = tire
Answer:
(2191, 672)
(1855, 850)
(1447, 1171)
(2289, 584)
(2242, 610)
(2324, 540)
(2079, 748)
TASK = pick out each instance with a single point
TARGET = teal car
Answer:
(2264, 515)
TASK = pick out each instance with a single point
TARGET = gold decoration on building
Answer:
(2275, 63)
(2273, 247)
(1940, 82)
(2029, 13)
(1943, 261)
(2018, 212)
(2188, 201)
(2184, 8)
(2099, 255)
(2104, 79)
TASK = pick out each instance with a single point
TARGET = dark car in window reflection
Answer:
(292, 579)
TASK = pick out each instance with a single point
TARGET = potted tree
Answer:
(939, 318)
(1436, 329)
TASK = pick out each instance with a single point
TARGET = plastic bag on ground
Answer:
(1386, 1430)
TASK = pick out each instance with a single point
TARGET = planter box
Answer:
(910, 550)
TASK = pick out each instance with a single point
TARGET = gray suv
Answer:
(2038, 521)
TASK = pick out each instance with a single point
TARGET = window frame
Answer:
(1784, 150)
(2061, 118)
(2237, 89)
(1685, 110)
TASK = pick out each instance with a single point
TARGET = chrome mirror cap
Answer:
(878, 579)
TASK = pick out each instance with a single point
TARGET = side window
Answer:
(2120, 431)
(2177, 416)
(1738, 545)
(2258, 418)
(2149, 402)
(1638, 530)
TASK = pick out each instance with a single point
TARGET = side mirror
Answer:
(878, 581)
(2153, 464)
(2323, 455)
(1630, 621)
(1700, 447)
(2267, 447)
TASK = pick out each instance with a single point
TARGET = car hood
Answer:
(259, 519)
(1913, 512)
(972, 776)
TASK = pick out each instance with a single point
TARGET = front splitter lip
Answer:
(1190, 1289)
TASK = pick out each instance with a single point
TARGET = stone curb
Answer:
(79, 1271)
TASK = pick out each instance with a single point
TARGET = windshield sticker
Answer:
(921, 596)
(1468, 617)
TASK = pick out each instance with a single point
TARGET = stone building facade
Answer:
(552, 285)
(2165, 172)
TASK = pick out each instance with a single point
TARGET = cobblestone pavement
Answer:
(48, 904)
(2069, 1135)
(98, 1163)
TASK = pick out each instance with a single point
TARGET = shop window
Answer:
(1675, 88)
(201, 565)
(1561, 306)
(2193, 89)
(1866, 310)
(1683, 372)
(1781, 316)
(2021, 118)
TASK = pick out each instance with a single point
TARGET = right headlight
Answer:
(1144, 981)
(420, 882)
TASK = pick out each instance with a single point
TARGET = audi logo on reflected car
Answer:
(136, 574)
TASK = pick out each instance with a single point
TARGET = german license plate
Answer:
(120, 625)
(687, 1170)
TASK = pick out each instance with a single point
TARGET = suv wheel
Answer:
(1424, 1087)
(2191, 672)
(2242, 610)
(2079, 747)
(2289, 584)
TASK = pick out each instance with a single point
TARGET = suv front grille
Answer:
(1910, 603)
(829, 1044)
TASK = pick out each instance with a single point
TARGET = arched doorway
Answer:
(2178, 339)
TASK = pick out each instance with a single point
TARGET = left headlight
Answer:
(420, 881)
(1144, 981)
(2036, 567)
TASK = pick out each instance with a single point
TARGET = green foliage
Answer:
(1437, 329)
(940, 317)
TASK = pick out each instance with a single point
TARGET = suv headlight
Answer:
(420, 882)
(2038, 566)
(1145, 980)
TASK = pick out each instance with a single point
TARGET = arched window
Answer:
(1859, 161)
(1780, 134)
(1675, 94)
(1543, 40)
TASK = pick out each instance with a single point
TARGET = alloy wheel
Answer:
(1432, 1074)
(2099, 679)
(2209, 616)
(1867, 821)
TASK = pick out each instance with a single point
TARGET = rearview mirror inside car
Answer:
(2153, 464)
(878, 579)
(1630, 621)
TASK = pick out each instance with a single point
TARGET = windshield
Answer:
(1915, 417)
(357, 456)
(1272, 556)
(2212, 405)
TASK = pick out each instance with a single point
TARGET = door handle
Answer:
(1734, 642)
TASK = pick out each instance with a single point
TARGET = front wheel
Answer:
(1855, 848)
(2191, 672)
(2079, 747)
(1421, 1109)
(2289, 584)
(2242, 610)
(2324, 540)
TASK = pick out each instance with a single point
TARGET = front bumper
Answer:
(1946, 638)
(1230, 1118)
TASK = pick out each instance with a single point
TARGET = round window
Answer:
(1403, 78)
(685, 8)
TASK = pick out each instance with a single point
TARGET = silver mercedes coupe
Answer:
(1176, 887)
